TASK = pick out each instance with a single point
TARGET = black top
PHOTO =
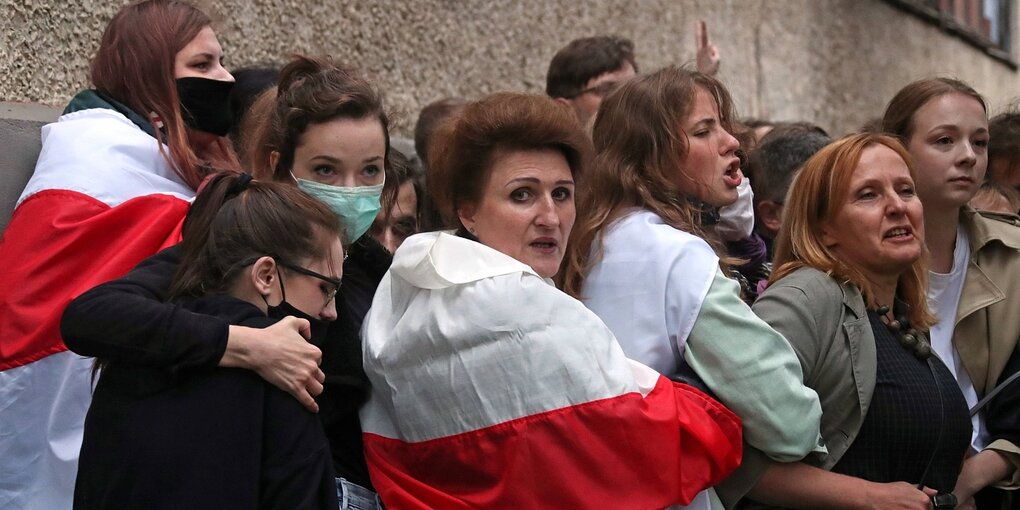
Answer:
(126, 320)
(913, 400)
(201, 438)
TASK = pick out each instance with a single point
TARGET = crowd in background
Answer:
(235, 290)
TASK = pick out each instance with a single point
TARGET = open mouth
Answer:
(545, 244)
(899, 233)
(733, 176)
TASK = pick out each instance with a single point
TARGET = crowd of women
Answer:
(572, 337)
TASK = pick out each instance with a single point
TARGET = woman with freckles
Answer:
(848, 292)
(974, 273)
(490, 387)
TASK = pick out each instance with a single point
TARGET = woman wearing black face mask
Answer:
(111, 186)
(326, 127)
(253, 253)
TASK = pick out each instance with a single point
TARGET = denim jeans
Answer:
(355, 497)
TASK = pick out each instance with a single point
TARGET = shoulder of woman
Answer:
(641, 229)
(815, 292)
(435, 260)
(987, 226)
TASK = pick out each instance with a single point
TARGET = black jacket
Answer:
(199, 437)
(127, 320)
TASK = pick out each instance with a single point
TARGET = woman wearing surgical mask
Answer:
(111, 186)
(324, 130)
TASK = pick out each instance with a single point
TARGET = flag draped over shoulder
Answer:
(101, 199)
(493, 389)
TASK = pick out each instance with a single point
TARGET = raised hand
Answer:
(708, 55)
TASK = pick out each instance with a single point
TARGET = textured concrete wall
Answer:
(835, 62)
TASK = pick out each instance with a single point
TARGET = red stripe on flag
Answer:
(620, 452)
(61, 243)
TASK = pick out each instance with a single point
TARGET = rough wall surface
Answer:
(835, 62)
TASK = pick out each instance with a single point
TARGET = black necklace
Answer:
(908, 336)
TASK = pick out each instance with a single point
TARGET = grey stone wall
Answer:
(835, 62)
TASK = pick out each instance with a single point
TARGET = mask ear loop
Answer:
(283, 290)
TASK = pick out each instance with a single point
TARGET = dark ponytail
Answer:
(236, 219)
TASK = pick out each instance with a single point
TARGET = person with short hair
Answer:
(1004, 148)
(772, 166)
(490, 387)
(974, 272)
(587, 70)
(399, 217)
(995, 197)
(253, 254)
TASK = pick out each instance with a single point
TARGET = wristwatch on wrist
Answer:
(944, 501)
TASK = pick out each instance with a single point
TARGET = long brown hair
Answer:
(816, 196)
(639, 143)
(231, 224)
(135, 66)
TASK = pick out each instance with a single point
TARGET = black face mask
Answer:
(319, 327)
(205, 104)
(284, 309)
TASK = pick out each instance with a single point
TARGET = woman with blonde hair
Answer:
(973, 271)
(848, 293)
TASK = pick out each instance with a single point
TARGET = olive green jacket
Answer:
(827, 325)
(988, 317)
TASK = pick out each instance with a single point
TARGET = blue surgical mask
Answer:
(356, 207)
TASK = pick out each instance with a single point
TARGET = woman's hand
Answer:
(979, 471)
(281, 355)
(798, 485)
(897, 496)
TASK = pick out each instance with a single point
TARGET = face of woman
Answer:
(711, 169)
(401, 222)
(312, 295)
(342, 152)
(949, 141)
(202, 58)
(527, 208)
(879, 227)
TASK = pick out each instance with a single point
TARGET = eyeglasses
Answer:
(601, 90)
(329, 293)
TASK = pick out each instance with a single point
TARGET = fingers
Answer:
(300, 325)
(306, 400)
(928, 491)
(319, 376)
(702, 34)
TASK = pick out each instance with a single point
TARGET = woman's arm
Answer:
(753, 371)
(126, 320)
(797, 485)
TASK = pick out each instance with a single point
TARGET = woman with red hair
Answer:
(112, 184)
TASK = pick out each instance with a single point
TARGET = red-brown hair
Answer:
(816, 196)
(135, 66)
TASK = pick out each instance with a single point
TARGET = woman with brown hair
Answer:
(325, 128)
(974, 272)
(490, 387)
(111, 186)
(157, 437)
(643, 259)
(848, 292)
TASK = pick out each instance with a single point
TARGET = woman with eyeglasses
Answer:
(324, 129)
(212, 437)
